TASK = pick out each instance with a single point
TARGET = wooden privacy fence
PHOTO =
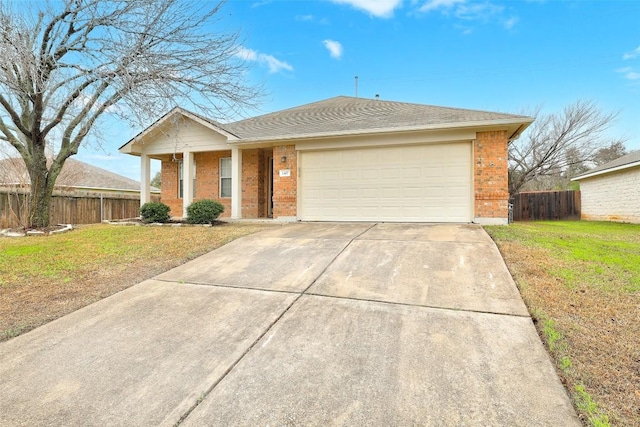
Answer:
(70, 209)
(549, 205)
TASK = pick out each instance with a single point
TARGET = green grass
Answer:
(586, 403)
(45, 277)
(581, 283)
(596, 253)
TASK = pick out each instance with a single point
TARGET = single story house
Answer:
(611, 192)
(76, 179)
(340, 159)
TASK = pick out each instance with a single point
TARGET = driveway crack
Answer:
(206, 393)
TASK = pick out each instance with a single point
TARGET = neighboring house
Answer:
(77, 178)
(611, 192)
(341, 159)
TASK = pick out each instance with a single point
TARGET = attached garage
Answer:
(415, 183)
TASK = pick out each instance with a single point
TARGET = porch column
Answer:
(145, 180)
(187, 181)
(236, 183)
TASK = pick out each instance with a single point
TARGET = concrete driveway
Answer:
(303, 324)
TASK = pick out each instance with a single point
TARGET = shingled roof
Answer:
(75, 174)
(630, 160)
(347, 115)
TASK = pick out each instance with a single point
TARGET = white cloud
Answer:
(260, 3)
(511, 22)
(274, 64)
(334, 48)
(378, 8)
(633, 54)
(470, 11)
(304, 18)
(246, 54)
(629, 73)
(439, 4)
(477, 11)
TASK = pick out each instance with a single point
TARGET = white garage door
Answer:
(423, 183)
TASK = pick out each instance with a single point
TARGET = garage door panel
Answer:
(349, 175)
(410, 183)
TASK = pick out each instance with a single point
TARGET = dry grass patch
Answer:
(581, 282)
(43, 278)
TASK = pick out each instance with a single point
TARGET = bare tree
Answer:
(559, 143)
(66, 66)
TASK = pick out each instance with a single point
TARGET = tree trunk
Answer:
(40, 196)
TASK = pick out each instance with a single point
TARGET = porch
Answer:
(250, 183)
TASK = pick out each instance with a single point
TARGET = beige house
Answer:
(611, 192)
(341, 159)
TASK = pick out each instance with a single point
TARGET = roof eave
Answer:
(127, 148)
(98, 189)
(606, 171)
(518, 124)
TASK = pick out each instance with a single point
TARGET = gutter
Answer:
(448, 126)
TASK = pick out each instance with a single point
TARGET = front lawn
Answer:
(581, 283)
(43, 278)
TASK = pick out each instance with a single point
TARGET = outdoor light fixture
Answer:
(283, 159)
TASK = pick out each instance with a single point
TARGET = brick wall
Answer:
(169, 188)
(208, 178)
(251, 183)
(491, 186)
(612, 197)
(263, 183)
(255, 182)
(207, 181)
(285, 189)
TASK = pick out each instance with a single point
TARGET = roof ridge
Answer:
(284, 110)
(434, 106)
(385, 101)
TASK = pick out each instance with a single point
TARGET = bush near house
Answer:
(204, 211)
(154, 212)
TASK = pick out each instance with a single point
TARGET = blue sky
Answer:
(506, 56)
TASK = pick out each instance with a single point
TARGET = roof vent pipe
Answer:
(356, 86)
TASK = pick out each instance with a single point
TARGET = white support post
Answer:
(187, 181)
(236, 183)
(145, 180)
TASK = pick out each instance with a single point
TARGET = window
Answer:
(225, 177)
(181, 178)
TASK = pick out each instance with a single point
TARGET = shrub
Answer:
(204, 211)
(154, 212)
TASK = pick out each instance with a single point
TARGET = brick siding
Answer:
(491, 185)
(207, 181)
(255, 184)
(285, 189)
(490, 179)
(169, 187)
